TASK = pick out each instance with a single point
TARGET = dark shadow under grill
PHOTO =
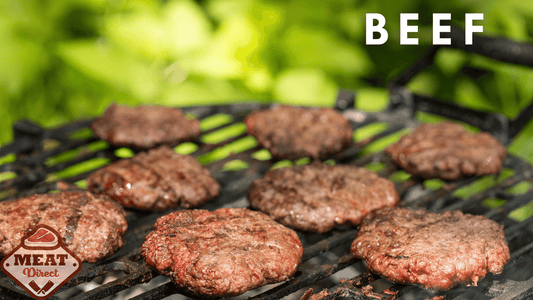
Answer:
(38, 158)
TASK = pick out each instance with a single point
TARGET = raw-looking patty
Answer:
(318, 197)
(294, 132)
(436, 251)
(447, 151)
(156, 180)
(222, 253)
(145, 126)
(91, 226)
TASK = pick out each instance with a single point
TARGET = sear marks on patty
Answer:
(145, 127)
(222, 253)
(91, 226)
(294, 132)
(447, 151)
(435, 251)
(156, 180)
(318, 197)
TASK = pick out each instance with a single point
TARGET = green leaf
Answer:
(208, 91)
(372, 99)
(235, 165)
(523, 213)
(450, 61)
(262, 154)
(468, 93)
(215, 121)
(186, 148)
(305, 87)
(141, 33)
(319, 48)
(187, 26)
(101, 61)
(21, 63)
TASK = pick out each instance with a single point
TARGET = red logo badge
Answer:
(41, 264)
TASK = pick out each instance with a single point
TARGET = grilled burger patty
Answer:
(447, 151)
(156, 180)
(90, 226)
(145, 126)
(436, 251)
(295, 132)
(222, 253)
(318, 197)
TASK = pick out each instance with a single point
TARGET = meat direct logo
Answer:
(41, 264)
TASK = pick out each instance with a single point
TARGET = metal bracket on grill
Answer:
(28, 134)
(497, 48)
(345, 99)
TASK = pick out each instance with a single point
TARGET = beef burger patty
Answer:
(222, 253)
(447, 151)
(435, 251)
(145, 127)
(294, 132)
(156, 180)
(318, 197)
(89, 225)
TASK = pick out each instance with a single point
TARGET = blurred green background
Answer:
(63, 60)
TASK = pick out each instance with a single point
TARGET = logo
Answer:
(41, 264)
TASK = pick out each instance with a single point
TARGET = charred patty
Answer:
(222, 253)
(435, 251)
(294, 132)
(156, 180)
(318, 197)
(447, 151)
(90, 226)
(145, 127)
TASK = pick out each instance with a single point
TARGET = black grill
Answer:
(39, 157)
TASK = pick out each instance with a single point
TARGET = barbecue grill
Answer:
(38, 158)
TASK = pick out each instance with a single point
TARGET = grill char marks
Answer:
(447, 151)
(222, 253)
(145, 126)
(318, 197)
(73, 220)
(157, 180)
(91, 227)
(295, 132)
(435, 251)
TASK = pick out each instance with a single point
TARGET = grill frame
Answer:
(32, 173)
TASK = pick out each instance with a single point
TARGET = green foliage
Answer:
(65, 60)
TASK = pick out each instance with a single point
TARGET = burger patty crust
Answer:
(156, 180)
(436, 251)
(318, 197)
(293, 132)
(90, 226)
(222, 253)
(447, 151)
(145, 127)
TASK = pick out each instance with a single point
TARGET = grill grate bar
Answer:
(307, 277)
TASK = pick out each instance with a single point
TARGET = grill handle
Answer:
(497, 48)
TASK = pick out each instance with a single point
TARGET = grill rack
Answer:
(33, 176)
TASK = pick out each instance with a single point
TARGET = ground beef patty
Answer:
(91, 226)
(436, 251)
(447, 151)
(318, 197)
(222, 253)
(156, 180)
(145, 126)
(295, 132)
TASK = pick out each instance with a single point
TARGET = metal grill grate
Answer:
(39, 157)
